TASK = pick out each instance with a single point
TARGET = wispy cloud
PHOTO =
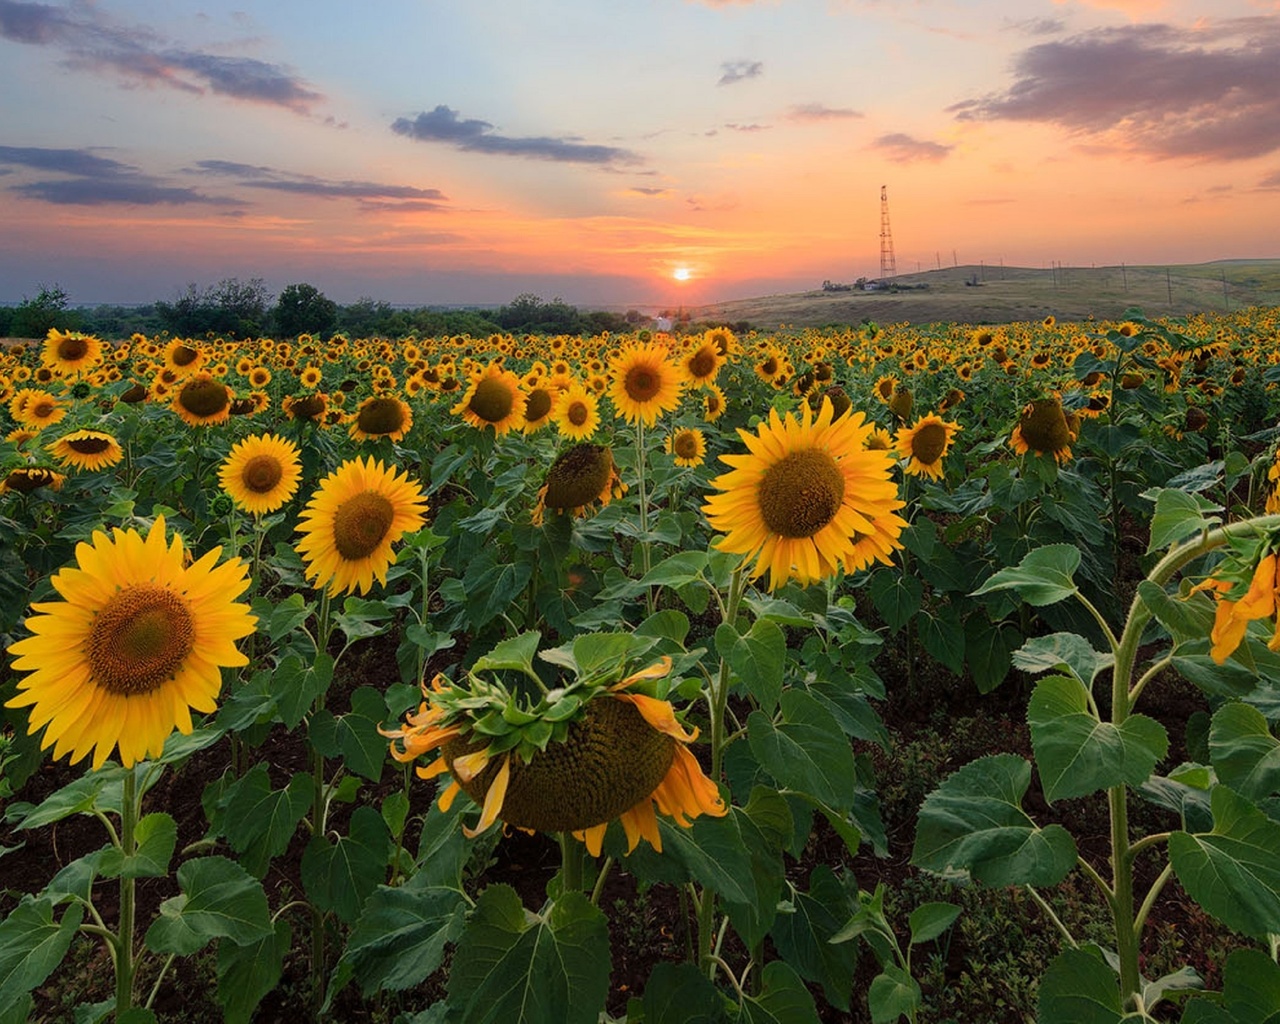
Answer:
(1270, 182)
(90, 41)
(734, 71)
(749, 128)
(809, 112)
(443, 124)
(370, 192)
(906, 149)
(1208, 92)
(1037, 26)
(88, 179)
(649, 190)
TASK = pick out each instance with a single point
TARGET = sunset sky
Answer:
(464, 151)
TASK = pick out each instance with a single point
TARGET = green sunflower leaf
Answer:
(807, 751)
(32, 944)
(219, 899)
(803, 936)
(1180, 514)
(1043, 577)
(247, 973)
(340, 875)
(974, 823)
(757, 659)
(1234, 870)
(516, 967)
(1244, 753)
(1080, 988)
(893, 994)
(1076, 753)
(783, 999)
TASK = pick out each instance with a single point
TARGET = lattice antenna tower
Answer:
(888, 265)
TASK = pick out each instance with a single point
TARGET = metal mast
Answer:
(888, 265)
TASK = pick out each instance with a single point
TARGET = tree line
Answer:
(235, 308)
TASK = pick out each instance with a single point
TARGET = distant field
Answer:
(1007, 294)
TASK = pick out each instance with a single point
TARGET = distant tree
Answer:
(34, 317)
(304, 309)
(364, 318)
(6, 319)
(231, 307)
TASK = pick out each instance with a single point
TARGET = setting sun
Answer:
(682, 273)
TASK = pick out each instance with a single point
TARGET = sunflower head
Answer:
(1043, 428)
(603, 744)
(87, 449)
(261, 473)
(26, 479)
(202, 401)
(924, 445)
(494, 399)
(645, 383)
(579, 477)
(137, 642)
(70, 353)
(688, 445)
(382, 416)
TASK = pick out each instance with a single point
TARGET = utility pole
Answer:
(888, 265)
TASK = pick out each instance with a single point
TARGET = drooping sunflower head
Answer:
(26, 479)
(261, 473)
(381, 416)
(1043, 429)
(839, 398)
(202, 401)
(494, 399)
(311, 408)
(348, 528)
(924, 445)
(87, 449)
(578, 478)
(137, 642)
(688, 445)
(604, 751)
(644, 383)
(807, 499)
(713, 403)
(70, 353)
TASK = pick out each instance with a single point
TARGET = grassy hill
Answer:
(1007, 294)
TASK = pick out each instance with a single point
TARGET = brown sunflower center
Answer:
(42, 408)
(361, 523)
(578, 413)
(703, 363)
(1044, 427)
(381, 416)
(92, 445)
(642, 383)
(769, 366)
(492, 401)
(184, 355)
(204, 398)
(610, 761)
(308, 408)
(261, 474)
(72, 349)
(140, 639)
(929, 442)
(538, 405)
(578, 477)
(801, 493)
(685, 444)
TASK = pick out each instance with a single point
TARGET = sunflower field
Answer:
(854, 674)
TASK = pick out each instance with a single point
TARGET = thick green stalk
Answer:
(1127, 926)
(323, 629)
(645, 554)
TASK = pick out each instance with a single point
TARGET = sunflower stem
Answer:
(128, 889)
(645, 555)
(571, 857)
(323, 628)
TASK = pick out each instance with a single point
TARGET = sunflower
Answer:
(807, 498)
(579, 476)
(306, 407)
(924, 444)
(1043, 428)
(261, 472)
(87, 449)
(713, 403)
(577, 413)
(360, 510)
(885, 387)
(138, 640)
(311, 377)
(539, 407)
(688, 446)
(181, 358)
(26, 479)
(35, 407)
(69, 354)
(879, 440)
(259, 377)
(202, 401)
(494, 399)
(381, 416)
(702, 364)
(623, 757)
(645, 383)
